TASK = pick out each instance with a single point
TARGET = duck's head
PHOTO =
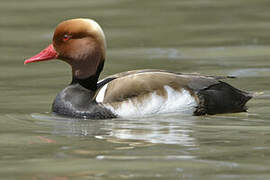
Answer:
(79, 42)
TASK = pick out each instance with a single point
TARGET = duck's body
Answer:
(132, 93)
(146, 92)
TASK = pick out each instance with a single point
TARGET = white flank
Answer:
(101, 93)
(176, 101)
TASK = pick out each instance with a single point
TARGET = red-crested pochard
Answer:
(81, 43)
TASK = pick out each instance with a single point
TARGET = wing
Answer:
(111, 77)
(122, 86)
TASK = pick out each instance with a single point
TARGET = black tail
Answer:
(222, 98)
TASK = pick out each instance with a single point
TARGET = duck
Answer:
(81, 43)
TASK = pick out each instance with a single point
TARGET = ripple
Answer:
(251, 72)
(176, 157)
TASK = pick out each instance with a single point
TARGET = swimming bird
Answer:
(81, 43)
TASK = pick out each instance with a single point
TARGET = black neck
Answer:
(90, 82)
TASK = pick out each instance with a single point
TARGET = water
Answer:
(210, 37)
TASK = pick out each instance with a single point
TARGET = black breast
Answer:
(77, 101)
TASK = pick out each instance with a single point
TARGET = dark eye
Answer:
(66, 37)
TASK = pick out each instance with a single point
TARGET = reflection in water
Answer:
(168, 132)
(162, 129)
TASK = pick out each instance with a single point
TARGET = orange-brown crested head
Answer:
(79, 42)
(76, 38)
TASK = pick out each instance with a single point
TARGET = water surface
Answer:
(210, 37)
